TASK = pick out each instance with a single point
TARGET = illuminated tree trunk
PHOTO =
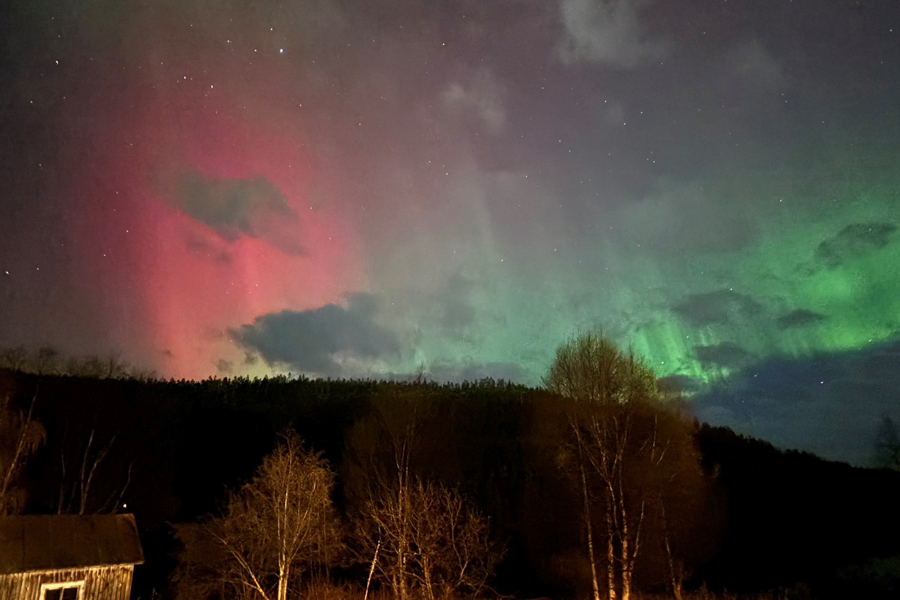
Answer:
(372, 570)
(610, 553)
(426, 573)
(624, 559)
(401, 458)
(589, 528)
(676, 568)
(630, 547)
(283, 575)
(403, 545)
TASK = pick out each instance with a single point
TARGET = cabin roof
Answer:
(54, 542)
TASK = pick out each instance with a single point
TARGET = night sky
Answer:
(382, 188)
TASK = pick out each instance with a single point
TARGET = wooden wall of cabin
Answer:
(100, 583)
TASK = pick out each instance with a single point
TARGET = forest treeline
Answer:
(590, 485)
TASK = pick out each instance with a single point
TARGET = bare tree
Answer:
(97, 367)
(389, 505)
(453, 552)
(274, 529)
(383, 450)
(20, 437)
(421, 537)
(626, 448)
(87, 366)
(430, 540)
(50, 361)
(77, 492)
(14, 358)
(47, 361)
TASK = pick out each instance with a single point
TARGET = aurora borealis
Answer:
(378, 189)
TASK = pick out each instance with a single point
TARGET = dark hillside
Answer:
(773, 518)
(792, 516)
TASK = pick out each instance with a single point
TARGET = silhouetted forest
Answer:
(169, 452)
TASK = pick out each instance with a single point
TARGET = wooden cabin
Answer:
(68, 557)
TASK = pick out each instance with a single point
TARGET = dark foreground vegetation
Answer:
(415, 490)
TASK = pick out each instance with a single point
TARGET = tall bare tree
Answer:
(274, 529)
(627, 447)
(453, 552)
(430, 540)
(384, 445)
(422, 538)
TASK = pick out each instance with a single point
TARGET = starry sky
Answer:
(453, 188)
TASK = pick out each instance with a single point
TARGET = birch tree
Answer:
(623, 453)
(275, 528)
(422, 538)
(432, 541)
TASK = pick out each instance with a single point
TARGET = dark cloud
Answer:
(329, 340)
(224, 366)
(829, 404)
(799, 318)
(716, 308)
(726, 354)
(238, 207)
(853, 241)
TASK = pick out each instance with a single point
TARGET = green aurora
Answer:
(817, 277)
